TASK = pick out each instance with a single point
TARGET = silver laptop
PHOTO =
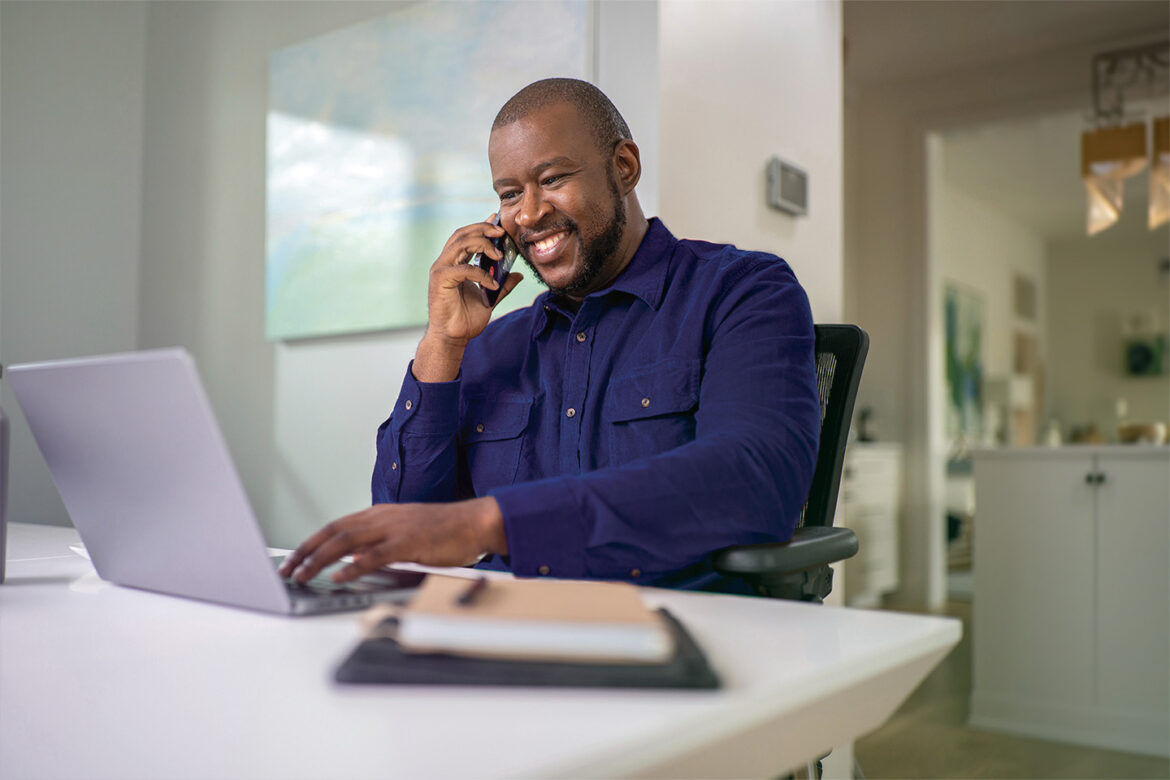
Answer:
(145, 473)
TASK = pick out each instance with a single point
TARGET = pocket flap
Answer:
(496, 417)
(669, 387)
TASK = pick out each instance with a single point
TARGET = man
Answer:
(659, 402)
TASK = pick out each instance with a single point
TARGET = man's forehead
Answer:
(557, 120)
(540, 135)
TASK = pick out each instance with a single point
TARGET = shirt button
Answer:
(635, 573)
(645, 402)
(409, 405)
(571, 412)
(581, 336)
(394, 466)
(479, 428)
(543, 571)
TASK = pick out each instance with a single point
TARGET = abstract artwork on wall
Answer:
(377, 151)
(963, 315)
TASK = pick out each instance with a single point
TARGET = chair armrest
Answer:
(809, 548)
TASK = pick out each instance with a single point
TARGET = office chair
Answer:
(799, 568)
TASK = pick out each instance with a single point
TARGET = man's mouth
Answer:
(545, 247)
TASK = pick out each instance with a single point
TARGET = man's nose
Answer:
(533, 209)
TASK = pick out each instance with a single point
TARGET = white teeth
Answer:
(548, 243)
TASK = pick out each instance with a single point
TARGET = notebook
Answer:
(143, 469)
(535, 620)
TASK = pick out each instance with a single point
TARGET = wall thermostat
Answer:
(787, 187)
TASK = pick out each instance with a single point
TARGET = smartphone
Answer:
(497, 268)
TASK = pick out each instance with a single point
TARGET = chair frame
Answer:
(799, 568)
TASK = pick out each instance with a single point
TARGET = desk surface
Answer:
(103, 681)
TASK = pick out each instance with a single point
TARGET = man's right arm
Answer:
(417, 448)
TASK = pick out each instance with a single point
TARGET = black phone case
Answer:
(499, 269)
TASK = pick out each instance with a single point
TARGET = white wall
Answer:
(71, 106)
(1094, 284)
(743, 80)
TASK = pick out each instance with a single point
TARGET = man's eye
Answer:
(506, 196)
(548, 181)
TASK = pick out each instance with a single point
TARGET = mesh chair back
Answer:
(840, 355)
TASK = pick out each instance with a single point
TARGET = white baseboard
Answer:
(1132, 732)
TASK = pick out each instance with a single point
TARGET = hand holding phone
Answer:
(499, 269)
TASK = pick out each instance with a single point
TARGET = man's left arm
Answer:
(742, 480)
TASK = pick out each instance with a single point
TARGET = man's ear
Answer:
(627, 161)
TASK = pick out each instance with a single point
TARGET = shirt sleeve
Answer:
(743, 479)
(417, 447)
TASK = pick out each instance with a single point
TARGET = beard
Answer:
(594, 252)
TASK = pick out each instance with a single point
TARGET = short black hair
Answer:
(597, 111)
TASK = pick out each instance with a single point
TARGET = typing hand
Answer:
(433, 534)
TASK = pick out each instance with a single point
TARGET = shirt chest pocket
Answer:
(651, 410)
(493, 437)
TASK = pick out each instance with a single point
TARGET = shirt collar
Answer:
(644, 277)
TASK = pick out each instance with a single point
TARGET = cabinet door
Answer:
(1033, 606)
(1133, 583)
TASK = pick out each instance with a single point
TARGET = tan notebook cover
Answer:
(534, 619)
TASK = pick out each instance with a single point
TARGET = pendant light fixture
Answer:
(1109, 156)
(1115, 150)
(1160, 174)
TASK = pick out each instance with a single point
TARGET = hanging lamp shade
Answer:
(1160, 174)
(1109, 156)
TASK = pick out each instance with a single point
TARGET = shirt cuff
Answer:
(546, 537)
(427, 408)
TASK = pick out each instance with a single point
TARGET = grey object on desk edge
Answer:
(3, 489)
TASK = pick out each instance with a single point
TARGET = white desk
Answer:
(102, 681)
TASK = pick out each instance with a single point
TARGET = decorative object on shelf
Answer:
(1114, 150)
(1089, 434)
(1053, 436)
(1144, 345)
(1142, 433)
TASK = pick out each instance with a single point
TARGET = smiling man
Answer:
(657, 403)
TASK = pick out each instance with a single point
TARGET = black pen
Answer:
(468, 596)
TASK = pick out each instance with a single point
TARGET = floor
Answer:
(928, 737)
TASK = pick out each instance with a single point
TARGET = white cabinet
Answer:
(871, 497)
(1071, 613)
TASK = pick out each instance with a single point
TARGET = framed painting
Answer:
(377, 152)
(963, 318)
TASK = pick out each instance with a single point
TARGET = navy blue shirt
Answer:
(673, 414)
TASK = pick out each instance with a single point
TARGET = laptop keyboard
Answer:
(326, 593)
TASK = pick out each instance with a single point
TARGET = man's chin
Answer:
(558, 284)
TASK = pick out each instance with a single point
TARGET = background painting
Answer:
(964, 333)
(377, 151)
